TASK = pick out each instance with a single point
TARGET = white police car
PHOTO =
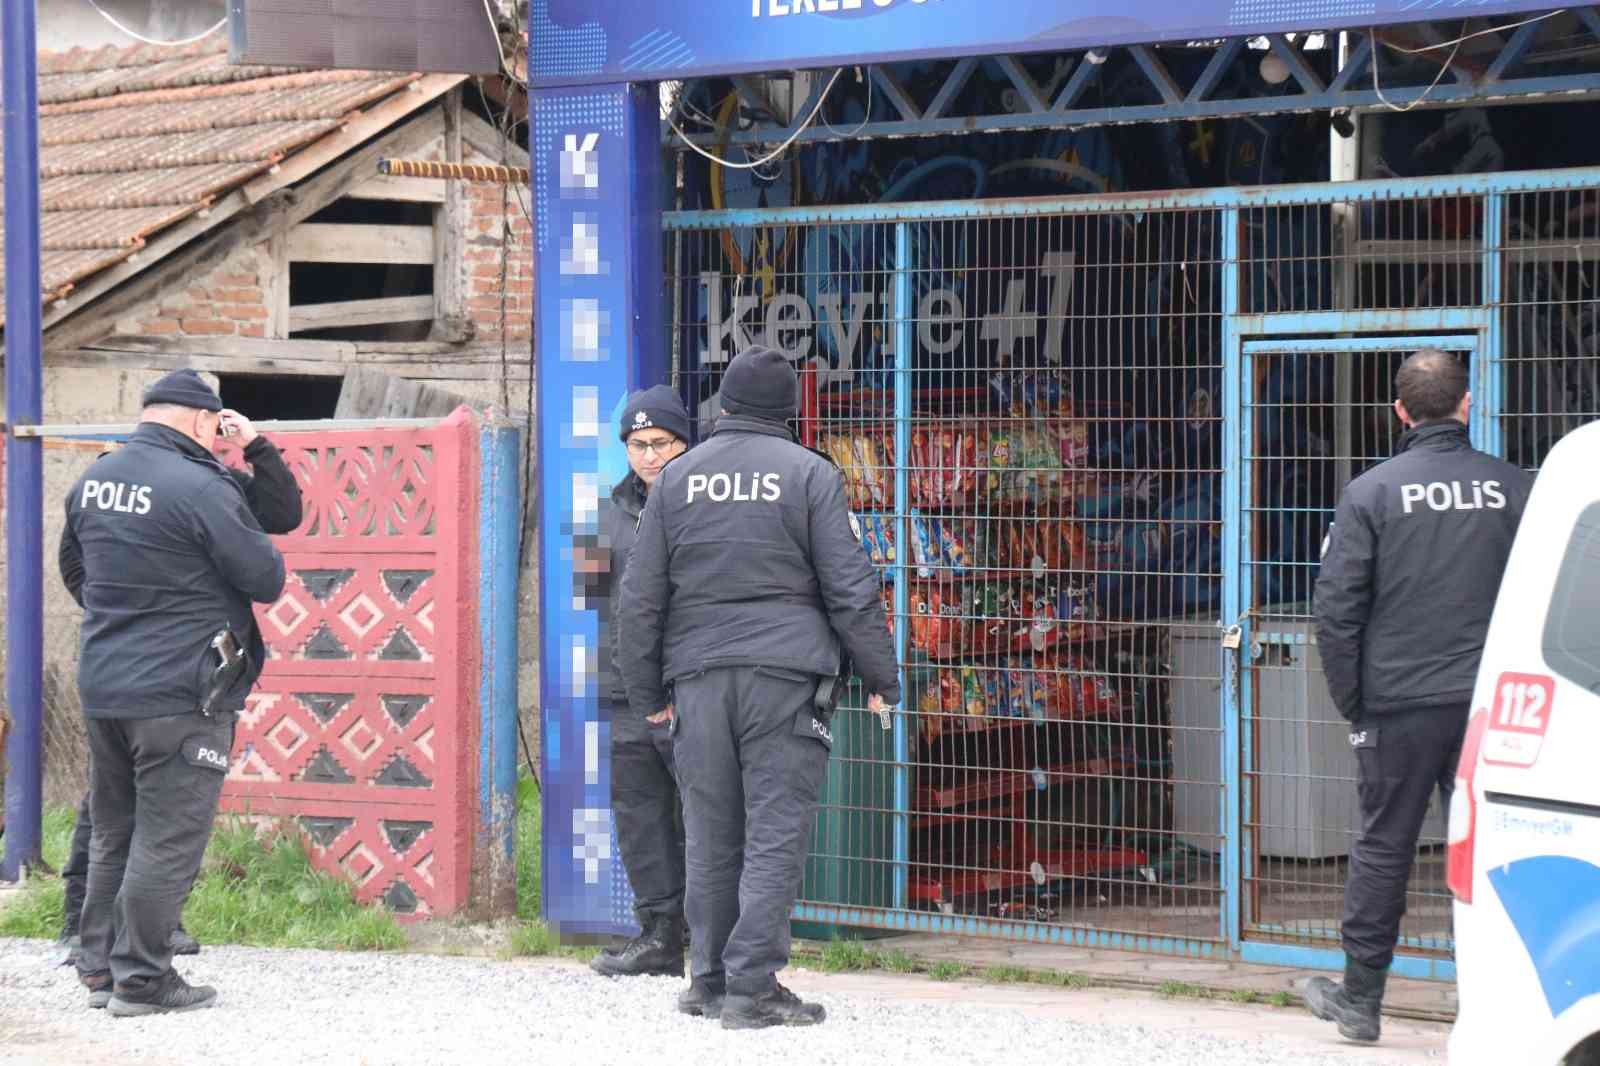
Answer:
(1524, 859)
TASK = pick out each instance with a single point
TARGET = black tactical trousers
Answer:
(644, 797)
(752, 765)
(154, 785)
(76, 872)
(1401, 758)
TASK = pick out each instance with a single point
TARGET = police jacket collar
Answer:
(744, 424)
(158, 436)
(630, 494)
(1443, 435)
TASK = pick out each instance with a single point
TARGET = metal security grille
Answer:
(1025, 412)
(1094, 445)
(1316, 413)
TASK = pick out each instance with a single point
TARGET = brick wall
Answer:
(484, 232)
(230, 301)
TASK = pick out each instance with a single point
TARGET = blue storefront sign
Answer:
(585, 41)
(595, 169)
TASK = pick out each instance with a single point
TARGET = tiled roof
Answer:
(132, 140)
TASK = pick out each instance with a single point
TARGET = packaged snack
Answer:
(972, 694)
(924, 476)
(951, 551)
(1017, 685)
(1073, 443)
(924, 546)
(837, 446)
(878, 539)
(869, 459)
(924, 618)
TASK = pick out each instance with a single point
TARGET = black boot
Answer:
(703, 999)
(182, 943)
(1354, 1005)
(657, 951)
(778, 1007)
(99, 986)
(168, 995)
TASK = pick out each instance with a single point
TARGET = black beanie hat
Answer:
(761, 383)
(657, 407)
(185, 388)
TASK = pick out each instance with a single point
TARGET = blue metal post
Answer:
(1488, 428)
(1233, 570)
(24, 455)
(499, 521)
(904, 337)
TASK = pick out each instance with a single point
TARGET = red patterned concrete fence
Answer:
(365, 726)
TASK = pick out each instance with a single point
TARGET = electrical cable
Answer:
(1443, 69)
(499, 45)
(1470, 36)
(142, 39)
(776, 152)
(864, 121)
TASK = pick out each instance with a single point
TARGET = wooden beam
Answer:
(338, 242)
(401, 366)
(371, 393)
(449, 239)
(403, 190)
(360, 312)
(337, 181)
(276, 289)
(320, 153)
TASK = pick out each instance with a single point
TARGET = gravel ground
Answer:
(306, 1008)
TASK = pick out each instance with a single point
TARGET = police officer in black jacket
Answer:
(644, 788)
(161, 549)
(273, 496)
(743, 586)
(1409, 577)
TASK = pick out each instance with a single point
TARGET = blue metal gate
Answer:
(1093, 444)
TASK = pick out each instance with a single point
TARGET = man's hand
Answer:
(665, 717)
(236, 427)
(876, 705)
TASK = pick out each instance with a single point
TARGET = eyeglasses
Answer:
(660, 447)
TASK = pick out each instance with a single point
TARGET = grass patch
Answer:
(845, 956)
(1181, 990)
(528, 849)
(1243, 995)
(898, 961)
(532, 939)
(1006, 975)
(1281, 999)
(946, 970)
(265, 892)
(38, 912)
(250, 891)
